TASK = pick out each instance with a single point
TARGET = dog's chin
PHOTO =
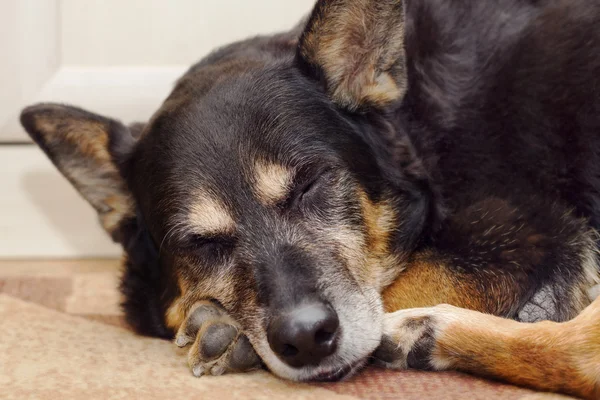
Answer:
(340, 373)
(330, 371)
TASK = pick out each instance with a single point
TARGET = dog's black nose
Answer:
(304, 335)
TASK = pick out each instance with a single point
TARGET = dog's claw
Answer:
(218, 345)
(217, 370)
(182, 341)
(198, 371)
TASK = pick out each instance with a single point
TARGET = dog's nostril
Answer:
(322, 336)
(289, 351)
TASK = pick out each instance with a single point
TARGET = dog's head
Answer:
(275, 185)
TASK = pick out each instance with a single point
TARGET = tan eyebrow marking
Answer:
(271, 182)
(208, 215)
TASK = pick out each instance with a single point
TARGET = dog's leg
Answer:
(496, 259)
(560, 357)
(217, 343)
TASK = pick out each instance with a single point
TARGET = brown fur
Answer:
(176, 314)
(360, 49)
(195, 287)
(91, 170)
(426, 283)
(208, 216)
(271, 182)
(431, 279)
(558, 357)
(379, 219)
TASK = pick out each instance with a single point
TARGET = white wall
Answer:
(30, 52)
(57, 50)
(163, 32)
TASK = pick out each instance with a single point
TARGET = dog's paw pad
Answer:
(215, 339)
(218, 346)
(388, 353)
(221, 348)
(202, 312)
(421, 354)
(243, 356)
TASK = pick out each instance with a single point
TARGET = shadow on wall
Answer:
(67, 215)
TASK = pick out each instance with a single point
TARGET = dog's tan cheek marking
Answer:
(177, 311)
(379, 220)
(271, 182)
(367, 251)
(194, 289)
(351, 248)
(176, 314)
(207, 215)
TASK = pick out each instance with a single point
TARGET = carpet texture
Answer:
(63, 337)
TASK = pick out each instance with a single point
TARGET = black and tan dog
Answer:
(383, 156)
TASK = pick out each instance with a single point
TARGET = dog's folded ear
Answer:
(356, 47)
(90, 151)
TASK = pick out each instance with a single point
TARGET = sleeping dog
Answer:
(294, 191)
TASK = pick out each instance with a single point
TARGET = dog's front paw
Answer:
(410, 338)
(217, 342)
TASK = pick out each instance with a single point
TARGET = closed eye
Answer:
(209, 246)
(305, 187)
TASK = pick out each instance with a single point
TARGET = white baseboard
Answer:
(129, 93)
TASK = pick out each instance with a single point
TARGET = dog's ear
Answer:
(91, 152)
(356, 47)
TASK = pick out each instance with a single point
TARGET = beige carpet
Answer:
(62, 337)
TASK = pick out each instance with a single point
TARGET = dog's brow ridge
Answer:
(271, 182)
(204, 215)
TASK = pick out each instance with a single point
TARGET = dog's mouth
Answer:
(337, 374)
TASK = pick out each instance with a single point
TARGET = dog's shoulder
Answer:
(509, 82)
(463, 56)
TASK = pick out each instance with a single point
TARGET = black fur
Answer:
(500, 125)
(504, 110)
(144, 283)
(490, 160)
